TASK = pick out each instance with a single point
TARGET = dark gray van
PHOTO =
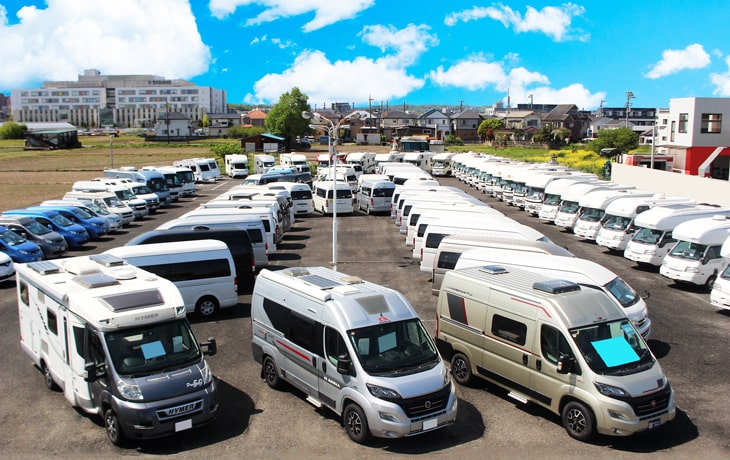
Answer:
(51, 243)
(237, 240)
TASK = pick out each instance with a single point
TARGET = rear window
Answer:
(255, 235)
(301, 195)
(383, 192)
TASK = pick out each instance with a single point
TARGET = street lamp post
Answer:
(111, 150)
(332, 131)
(629, 96)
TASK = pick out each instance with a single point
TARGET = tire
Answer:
(710, 283)
(48, 377)
(461, 369)
(578, 421)
(270, 373)
(356, 423)
(206, 306)
(113, 428)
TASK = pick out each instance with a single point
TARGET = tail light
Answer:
(235, 283)
(253, 265)
(421, 254)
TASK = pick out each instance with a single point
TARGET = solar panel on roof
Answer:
(321, 281)
(44, 267)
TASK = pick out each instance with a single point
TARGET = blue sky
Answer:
(393, 52)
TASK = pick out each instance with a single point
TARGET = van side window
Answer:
(433, 239)
(321, 192)
(24, 296)
(255, 235)
(457, 310)
(448, 260)
(52, 321)
(278, 314)
(305, 333)
(185, 271)
(509, 329)
(553, 344)
(366, 190)
(334, 345)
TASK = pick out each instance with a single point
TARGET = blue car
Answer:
(96, 226)
(18, 248)
(74, 234)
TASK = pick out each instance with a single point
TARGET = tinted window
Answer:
(301, 195)
(448, 259)
(433, 239)
(383, 192)
(186, 271)
(509, 329)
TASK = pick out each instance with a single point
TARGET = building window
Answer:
(683, 119)
(671, 132)
(711, 123)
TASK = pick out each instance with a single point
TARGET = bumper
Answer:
(617, 244)
(720, 299)
(681, 275)
(382, 416)
(618, 419)
(642, 257)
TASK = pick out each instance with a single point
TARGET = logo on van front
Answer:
(195, 383)
(427, 404)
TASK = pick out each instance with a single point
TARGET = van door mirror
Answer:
(94, 372)
(566, 363)
(210, 347)
(344, 364)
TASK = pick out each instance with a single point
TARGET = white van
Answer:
(185, 176)
(502, 227)
(720, 295)
(105, 200)
(537, 188)
(552, 342)
(297, 161)
(390, 157)
(374, 195)
(139, 207)
(429, 211)
(571, 198)
(654, 230)
(553, 196)
(203, 272)
(323, 195)
(236, 165)
(354, 347)
(262, 163)
(267, 217)
(584, 272)
(302, 201)
(407, 202)
(200, 167)
(453, 247)
(593, 209)
(253, 226)
(695, 257)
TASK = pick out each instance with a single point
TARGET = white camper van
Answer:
(262, 163)
(114, 339)
(553, 196)
(695, 257)
(366, 160)
(354, 347)
(720, 295)
(297, 161)
(565, 347)
(441, 164)
(570, 201)
(236, 165)
(200, 168)
(654, 238)
(105, 200)
(593, 208)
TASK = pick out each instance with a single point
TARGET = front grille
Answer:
(426, 404)
(183, 410)
(647, 406)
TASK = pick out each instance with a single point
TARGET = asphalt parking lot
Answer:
(690, 339)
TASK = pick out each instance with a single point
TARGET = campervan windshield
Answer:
(613, 348)
(398, 348)
(153, 348)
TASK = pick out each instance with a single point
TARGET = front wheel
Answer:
(206, 306)
(356, 423)
(461, 369)
(710, 283)
(578, 421)
(271, 373)
(113, 428)
(48, 377)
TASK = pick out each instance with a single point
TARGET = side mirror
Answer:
(93, 372)
(565, 364)
(344, 364)
(210, 347)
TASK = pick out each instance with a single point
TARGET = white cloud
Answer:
(722, 81)
(326, 81)
(553, 21)
(408, 43)
(122, 37)
(477, 74)
(692, 57)
(326, 12)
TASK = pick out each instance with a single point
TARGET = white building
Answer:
(120, 100)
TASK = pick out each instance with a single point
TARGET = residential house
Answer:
(173, 125)
(436, 119)
(393, 123)
(255, 117)
(464, 125)
(567, 116)
(220, 122)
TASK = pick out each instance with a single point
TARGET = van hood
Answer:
(172, 383)
(414, 384)
(639, 384)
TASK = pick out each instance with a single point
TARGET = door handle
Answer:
(538, 364)
(524, 359)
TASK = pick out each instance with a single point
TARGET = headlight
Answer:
(129, 390)
(692, 270)
(24, 251)
(383, 393)
(206, 373)
(610, 390)
(446, 376)
(48, 241)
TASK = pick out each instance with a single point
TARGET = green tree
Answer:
(624, 139)
(206, 121)
(221, 150)
(285, 118)
(12, 130)
(240, 132)
(487, 127)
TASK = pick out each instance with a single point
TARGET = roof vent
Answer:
(493, 269)
(44, 267)
(296, 272)
(107, 260)
(351, 280)
(556, 286)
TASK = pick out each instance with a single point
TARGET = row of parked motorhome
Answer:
(682, 238)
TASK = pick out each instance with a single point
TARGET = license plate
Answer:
(655, 423)
(184, 425)
(430, 424)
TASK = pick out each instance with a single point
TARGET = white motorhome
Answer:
(720, 294)
(695, 257)
(354, 347)
(390, 157)
(200, 167)
(366, 160)
(421, 159)
(295, 160)
(252, 224)
(421, 213)
(204, 272)
(262, 163)
(587, 273)
(330, 196)
(536, 186)
(406, 203)
(571, 198)
(502, 227)
(138, 189)
(236, 165)
(453, 247)
(139, 207)
(593, 209)
(617, 225)
(441, 164)
(557, 344)
(654, 237)
(115, 340)
(552, 196)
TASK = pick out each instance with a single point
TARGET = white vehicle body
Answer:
(204, 272)
(323, 161)
(391, 157)
(654, 238)
(7, 268)
(435, 210)
(262, 163)
(535, 188)
(236, 165)
(174, 185)
(593, 209)
(582, 271)
(138, 189)
(557, 344)
(186, 177)
(695, 257)
(421, 159)
(402, 192)
(553, 193)
(435, 194)
(302, 200)
(410, 202)
(330, 196)
(106, 333)
(570, 201)
(295, 160)
(617, 225)
(124, 194)
(374, 195)
(720, 294)
(105, 200)
(360, 327)
(200, 167)
(266, 215)
(366, 160)
(494, 226)
(441, 164)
